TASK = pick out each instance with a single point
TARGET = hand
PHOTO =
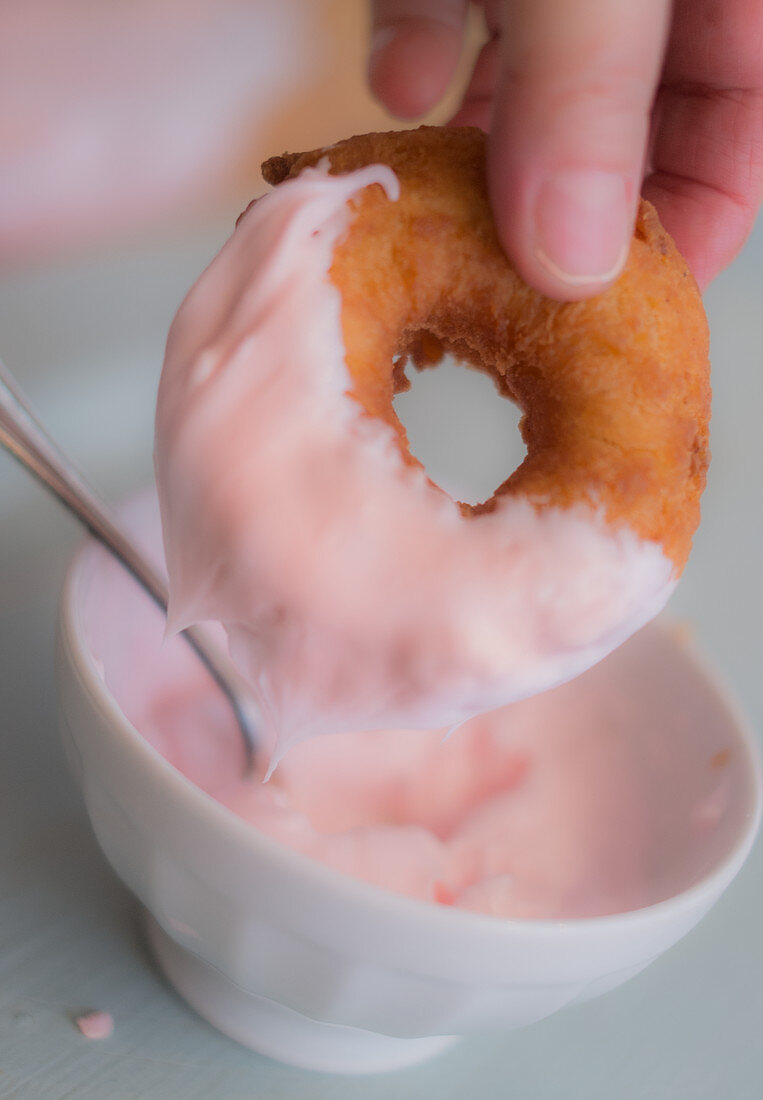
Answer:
(585, 102)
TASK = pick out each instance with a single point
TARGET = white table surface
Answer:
(86, 342)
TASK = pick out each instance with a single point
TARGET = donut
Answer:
(355, 592)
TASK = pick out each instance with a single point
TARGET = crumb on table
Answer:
(96, 1025)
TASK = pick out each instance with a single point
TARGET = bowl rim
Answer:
(696, 897)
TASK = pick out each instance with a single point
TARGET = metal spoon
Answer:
(23, 435)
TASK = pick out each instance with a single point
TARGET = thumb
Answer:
(569, 135)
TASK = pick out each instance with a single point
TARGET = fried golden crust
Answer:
(614, 390)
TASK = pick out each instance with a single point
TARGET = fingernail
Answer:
(582, 229)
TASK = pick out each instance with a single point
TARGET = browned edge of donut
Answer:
(614, 390)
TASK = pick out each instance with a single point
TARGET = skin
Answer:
(586, 105)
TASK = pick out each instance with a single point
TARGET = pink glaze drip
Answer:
(354, 593)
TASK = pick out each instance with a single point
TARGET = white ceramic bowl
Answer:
(319, 970)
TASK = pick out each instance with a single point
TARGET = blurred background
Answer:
(130, 138)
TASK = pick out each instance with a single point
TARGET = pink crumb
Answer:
(96, 1025)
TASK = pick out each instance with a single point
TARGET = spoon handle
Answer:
(26, 439)
(23, 435)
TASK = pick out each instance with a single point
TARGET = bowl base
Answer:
(279, 1032)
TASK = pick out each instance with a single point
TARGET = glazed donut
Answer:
(355, 592)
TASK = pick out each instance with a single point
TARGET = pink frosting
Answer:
(610, 792)
(504, 817)
(354, 593)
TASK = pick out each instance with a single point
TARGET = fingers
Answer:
(415, 46)
(706, 171)
(566, 92)
(477, 106)
(574, 95)
(707, 174)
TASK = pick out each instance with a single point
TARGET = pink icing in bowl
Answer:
(613, 810)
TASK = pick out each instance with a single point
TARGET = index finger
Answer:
(415, 46)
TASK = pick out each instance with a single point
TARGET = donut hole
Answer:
(467, 440)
